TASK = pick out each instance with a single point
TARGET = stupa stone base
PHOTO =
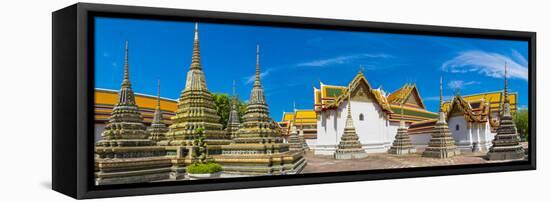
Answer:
(401, 151)
(350, 155)
(261, 164)
(442, 144)
(132, 179)
(402, 143)
(178, 169)
(441, 153)
(134, 170)
(514, 153)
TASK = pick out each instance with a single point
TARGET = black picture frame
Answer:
(73, 87)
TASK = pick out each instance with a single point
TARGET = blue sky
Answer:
(294, 60)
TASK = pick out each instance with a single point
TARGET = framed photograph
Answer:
(155, 100)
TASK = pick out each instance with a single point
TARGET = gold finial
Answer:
(361, 68)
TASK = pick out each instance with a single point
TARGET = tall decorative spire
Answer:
(401, 121)
(233, 122)
(196, 58)
(506, 82)
(257, 94)
(125, 145)
(157, 118)
(195, 76)
(157, 131)
(441, 113)
(258, 73)
(158, 94)
(126, 80)
(234, 100)
(195, 108)
(349, 119)
(441, 93)
(349, 146)
(402, 142)
(506, 144)
(442, 144)
(126, 94)
(258, 140)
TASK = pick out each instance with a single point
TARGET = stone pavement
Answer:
(318, 163)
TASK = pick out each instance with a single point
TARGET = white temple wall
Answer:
(373, 131)
(463, 135)
(471, 135)
(326, 133)
(420, 141)
(487, 137)
(311, 143)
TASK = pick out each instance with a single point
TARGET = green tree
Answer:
(521, 119)
(223, 106)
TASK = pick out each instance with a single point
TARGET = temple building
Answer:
(506, 144)
(376, 114)
(196, 109)
(305, 121)
(472, 119)
(157, 130)
(471, 124)
(125, 154)
(258, 147)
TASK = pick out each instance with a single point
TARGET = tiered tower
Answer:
(157, 130)
(294, 141)
(402, 144)
(349, 147)
(258, 147)
(126, 154)
(302, 139)
(442, 144)
(196, 109)
(506, 145)
(233, 122)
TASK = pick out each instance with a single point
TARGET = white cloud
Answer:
(341, 59)
(251, 79)
(487, 63)
(459, 84)
(519, 57)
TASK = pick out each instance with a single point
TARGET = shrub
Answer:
(203, 168)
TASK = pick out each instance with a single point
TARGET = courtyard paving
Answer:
(323, 163)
